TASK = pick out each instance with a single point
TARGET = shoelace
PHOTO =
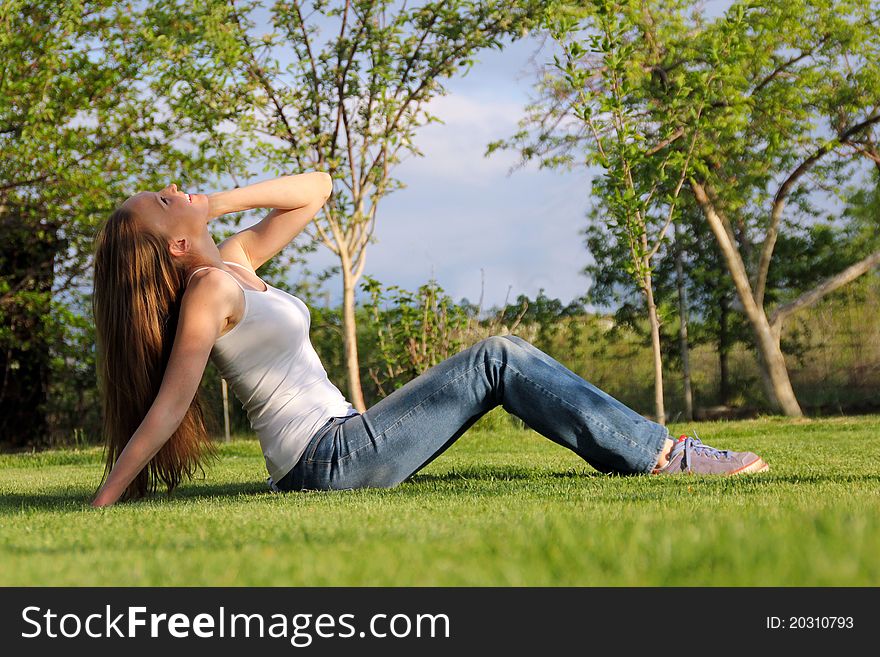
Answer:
(694, 446)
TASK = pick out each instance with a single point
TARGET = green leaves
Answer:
(413, 330)
(754, 94)
(603, 70)
(80, 131)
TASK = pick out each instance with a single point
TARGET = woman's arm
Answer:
(203, 311)
(287, 192)
(296, 200)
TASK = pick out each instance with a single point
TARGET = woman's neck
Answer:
(204, 253)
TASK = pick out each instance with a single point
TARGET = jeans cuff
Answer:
(652, 456)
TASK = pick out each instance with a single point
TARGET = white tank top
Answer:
(271, 366)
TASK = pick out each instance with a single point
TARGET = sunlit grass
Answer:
(505, 507)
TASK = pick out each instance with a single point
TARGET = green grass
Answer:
(499, 508)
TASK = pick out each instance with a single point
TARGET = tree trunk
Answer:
(225, 391)
(777, 383)
(349, 333)
(723, 353)
(659, 409)
(683, 332)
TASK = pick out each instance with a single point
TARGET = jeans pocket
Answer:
(318, 438)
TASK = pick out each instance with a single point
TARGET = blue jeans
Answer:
(404, 432)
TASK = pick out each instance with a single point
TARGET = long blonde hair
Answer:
(136, 303)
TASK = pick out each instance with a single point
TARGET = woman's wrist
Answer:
(220, 203)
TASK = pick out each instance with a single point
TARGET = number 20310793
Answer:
(810, 623)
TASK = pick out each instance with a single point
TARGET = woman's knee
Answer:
(516, 339)
(495, 343)
(505, 342)
(503, 347)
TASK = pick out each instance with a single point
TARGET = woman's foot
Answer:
(690, 456)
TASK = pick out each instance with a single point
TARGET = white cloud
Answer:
(454, 149)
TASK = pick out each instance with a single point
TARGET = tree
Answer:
(703, 294)
(684, 346)
(801, 101)
(789, 118)
(613, 99)
(348, 103)
(75, 132)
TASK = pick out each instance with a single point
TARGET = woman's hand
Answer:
(153, 432)
(102, 499)
(286, 192)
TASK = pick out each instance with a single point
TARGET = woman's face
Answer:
(171, 213)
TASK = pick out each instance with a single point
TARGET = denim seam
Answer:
(314, 448)
(578, 410)
(381, 434)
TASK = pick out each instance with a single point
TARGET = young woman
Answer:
(167, 298)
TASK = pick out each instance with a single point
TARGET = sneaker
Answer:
(691, 456)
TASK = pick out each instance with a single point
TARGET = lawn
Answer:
(504, 507)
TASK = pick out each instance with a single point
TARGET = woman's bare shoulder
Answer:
(213, 291)
(214, 285)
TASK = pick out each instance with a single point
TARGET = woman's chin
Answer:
(200, 200)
